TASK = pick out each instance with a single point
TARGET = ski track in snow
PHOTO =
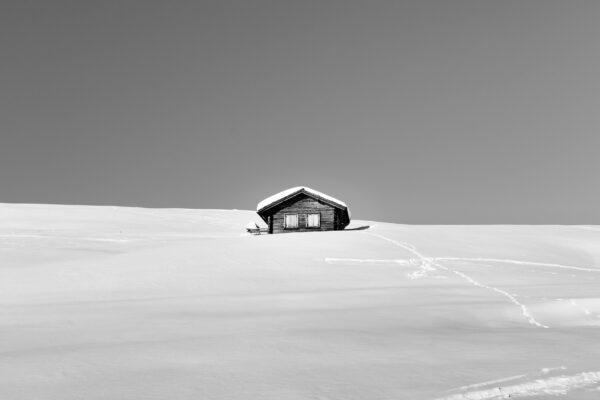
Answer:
(518, 262)
(425, 263)
(557, 385)
(547, 370)
(487, 383)
(543, 371)
(512, 298)
(428, 264)
(465, 259)
(90, 238)
(333, 260)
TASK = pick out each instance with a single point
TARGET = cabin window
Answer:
(291, 221)
(313, 221)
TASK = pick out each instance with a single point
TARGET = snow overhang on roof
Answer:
(288, 193)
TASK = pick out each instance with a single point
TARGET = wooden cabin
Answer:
(302, 209)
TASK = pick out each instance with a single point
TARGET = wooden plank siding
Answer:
(303, 205)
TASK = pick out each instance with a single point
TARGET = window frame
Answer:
(285, 226)
(307, 219)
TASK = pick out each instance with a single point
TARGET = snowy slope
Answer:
(132, 303)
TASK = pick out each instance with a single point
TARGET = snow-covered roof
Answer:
(288, 192)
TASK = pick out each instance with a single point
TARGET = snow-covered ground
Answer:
(133, 303)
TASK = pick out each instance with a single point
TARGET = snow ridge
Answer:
(557, 385)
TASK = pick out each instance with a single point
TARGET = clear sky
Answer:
(448, 111)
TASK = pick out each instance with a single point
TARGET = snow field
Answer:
(110, 302)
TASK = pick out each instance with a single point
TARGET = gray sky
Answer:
(410, 111)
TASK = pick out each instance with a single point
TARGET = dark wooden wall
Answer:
(303, 205)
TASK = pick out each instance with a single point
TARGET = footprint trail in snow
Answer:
(430, 264)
